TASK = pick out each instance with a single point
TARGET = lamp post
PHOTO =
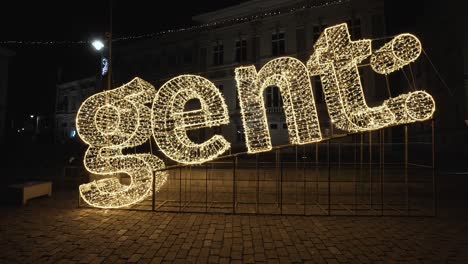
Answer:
(106, 63)
(109, 60)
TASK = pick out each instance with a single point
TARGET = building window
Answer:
(63, 106)
(255, 49)
(273, 97)
(273, 126)
(74, 102)
(285, 126)
(354, 27)
(300, 40)
(317, 31)
(277, 43)
(218, 53)
(241, 50)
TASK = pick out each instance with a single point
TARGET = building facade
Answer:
(69, 97)
(4, 60)
(251, 33)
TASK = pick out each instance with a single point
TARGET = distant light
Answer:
(98, 45)
(19, 131)
(104, 66)
(31, 116)
(22, 128)
(72, 133)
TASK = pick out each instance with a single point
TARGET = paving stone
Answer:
(47, 231)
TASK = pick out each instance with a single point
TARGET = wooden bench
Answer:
(33, 189)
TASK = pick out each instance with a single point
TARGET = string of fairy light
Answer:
(335, 60)
(292, 78)
(205, 26)
(118, 119)
(110, 122)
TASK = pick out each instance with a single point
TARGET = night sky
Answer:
(33, 70)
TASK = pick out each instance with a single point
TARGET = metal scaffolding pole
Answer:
(406, 171)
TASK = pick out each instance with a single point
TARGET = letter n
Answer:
(292, 78)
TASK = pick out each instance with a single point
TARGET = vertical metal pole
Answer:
(186, 173)
(370, 169)
(339, 166)
(277, 172)
(180, 189)
(355, 172)
(211, 181)
(234, 191)
(153, 200)
(434, 182)
(317, 171)
(406, 169)
(304, 177)
(281, 185)
(329, 169)
(190, 187)
(382, 170)
(329, 178)
(257, 187)
(361, 159)
(109, 39)
(206, 188)
(295, 176)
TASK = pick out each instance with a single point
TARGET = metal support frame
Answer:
(234, 187)
(358, 204)
(434, 174)
(406, 170)
(370, 169)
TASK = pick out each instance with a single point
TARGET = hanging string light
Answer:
(204, 26)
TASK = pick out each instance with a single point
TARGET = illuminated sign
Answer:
(122, 118)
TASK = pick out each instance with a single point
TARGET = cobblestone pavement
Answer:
(54, 230)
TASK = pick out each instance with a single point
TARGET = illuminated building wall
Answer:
(69, 97)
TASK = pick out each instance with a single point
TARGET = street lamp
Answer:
(105, 63)
(97, 44)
